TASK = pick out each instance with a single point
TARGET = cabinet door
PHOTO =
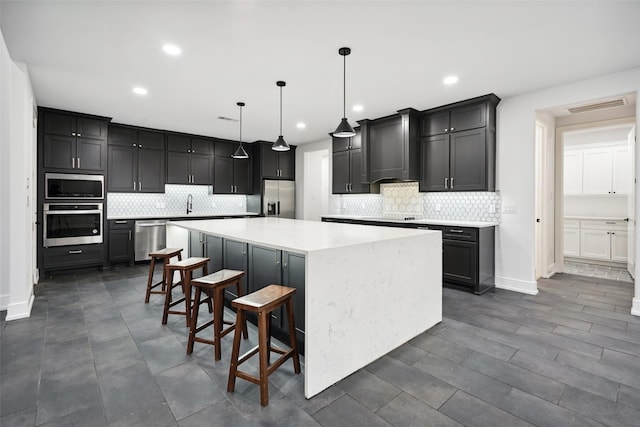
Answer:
(572, 242)
(91, 128)
(355, 167)
(222, 175)
(235, 258)
(597, 171)
(434, 123)
(242, 175)
(196, 244)
(460, 262)
(91, 154)
(341, 173)
(151, 170)
(122, 171)
(340, 144)
(572, 172)
(122, 136)
(59, 151)
(201, 146)
(201, 169)
(434, 163)
(287, 164)
(179, 143)
(149, 139)
(468, 165)
(622, 180)
(619, 246)
(59, 124)
(121, 245)
(264, 270)
(178, 167)
(468, 117)
(269, 161)
(386, 152)
(293, 275)
(213, 250)
(595, 244)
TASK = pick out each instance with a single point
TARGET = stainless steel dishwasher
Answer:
(151, 235)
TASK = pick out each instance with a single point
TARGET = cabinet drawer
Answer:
(120, 223)
(73, 256)
(460, 233)
(593, 224)
(571, 223)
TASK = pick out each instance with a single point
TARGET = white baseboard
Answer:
(20, 310)
(635, 307)
(522, 286)
(4, 302)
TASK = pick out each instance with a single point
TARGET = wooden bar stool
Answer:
(263, 302)
(214, 285)
(165, 256)
(186, 268)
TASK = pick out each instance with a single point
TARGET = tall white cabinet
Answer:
(601, 170)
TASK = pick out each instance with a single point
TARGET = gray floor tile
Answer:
(115, 354)
(629, 396)
(596, 367)
(470, 411)
(346, 411)
(92, 416)
(368, 389)
(599, 409)
(598, 340)
(407, 353)
(441, 347)
(26, 418)
(575, 346)
(218, 414)
(19, 390)
(477, 343)
(163, 353)
(107, 329)
(155, 415)
(406, 410)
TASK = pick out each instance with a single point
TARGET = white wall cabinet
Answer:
(596, 239)
(597, 171)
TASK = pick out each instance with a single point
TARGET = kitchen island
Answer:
(367, 290)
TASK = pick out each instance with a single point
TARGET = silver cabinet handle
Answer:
(446, 129)
(139, 185)
(446, 183)
(78, 134)
(452, 183)
(73, 163)
(609, 222)
(134, 144)
(78, 162)
(73, 134)
(452, 129)
(75, 252)
(123, 221)
(129, 234)
(456, 231)
(284, 265)
(140, 146)
(134, 186)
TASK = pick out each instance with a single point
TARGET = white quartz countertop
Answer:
(457, 223)
(185, 216)
(596, 218)
(296, 235)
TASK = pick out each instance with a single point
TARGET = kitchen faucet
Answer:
(189, 204)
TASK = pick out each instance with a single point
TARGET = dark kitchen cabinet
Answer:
(120, 243)
(293, 276)
(73, 142)
(390, 147)
(136, 160)
(73, 256)
(231, 176)
(275, 164)
(458, 146)
(189, 160)
(235, 258)
(205, 245)
(347, 166)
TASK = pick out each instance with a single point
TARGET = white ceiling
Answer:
(87, 55)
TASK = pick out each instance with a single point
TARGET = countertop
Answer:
(596, 218)
(296, 235)
(185, 216)
(457, 223)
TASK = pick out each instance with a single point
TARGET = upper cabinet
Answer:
(458, 146)
(347, 166)
(231, 176)
(73, 142)
(598, 170)
(272, 164)
(189, 160)
(136, 160)
(390, 147)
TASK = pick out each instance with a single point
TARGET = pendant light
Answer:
(280, 144)
(344, 129)
(240, 153)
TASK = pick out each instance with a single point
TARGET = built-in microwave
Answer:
(72, 224)
(60, 186)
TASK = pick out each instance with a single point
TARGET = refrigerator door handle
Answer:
(278, 208)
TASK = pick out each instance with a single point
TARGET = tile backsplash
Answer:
(404, 199)
(174, 202)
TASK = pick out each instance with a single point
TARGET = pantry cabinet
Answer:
(601, 170)
(595, 239)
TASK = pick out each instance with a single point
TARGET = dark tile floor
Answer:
(93, 354)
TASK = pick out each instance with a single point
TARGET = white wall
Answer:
(17, 142)
(515, 238)
(313, 179)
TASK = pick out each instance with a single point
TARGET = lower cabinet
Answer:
(593, 239)
(204, 245)
(121, 234)
(234, 256)
(73, 256)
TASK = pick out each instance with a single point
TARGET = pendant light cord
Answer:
(344, 86)
(241, 125)
(281, 110)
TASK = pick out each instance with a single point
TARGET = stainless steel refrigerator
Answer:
(278, 198)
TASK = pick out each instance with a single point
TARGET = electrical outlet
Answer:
(438, 207)
(213, 204)
(492, 208)
(344, 205)
(362, 206)
(160, 205)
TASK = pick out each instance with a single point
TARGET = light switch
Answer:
(492, 208)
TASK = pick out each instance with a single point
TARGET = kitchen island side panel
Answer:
(365, 300)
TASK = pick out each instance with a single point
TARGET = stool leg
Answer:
(218, 320)
(194, 321)
(187, 296)
(235, 351)
(292, 334)
(150, 280)
(165, 262)
(263, 351)
(167, 296)
(244, 323)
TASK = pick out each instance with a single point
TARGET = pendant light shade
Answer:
(240, 152)
(280, 144)
(344, 129)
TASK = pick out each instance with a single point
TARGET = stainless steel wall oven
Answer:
(72, 223)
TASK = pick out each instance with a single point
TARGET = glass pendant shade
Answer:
(240, 152)
(344, 129)
(280, 144)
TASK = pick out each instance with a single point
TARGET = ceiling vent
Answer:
(617, 102)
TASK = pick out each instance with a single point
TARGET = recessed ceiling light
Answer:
(172, 49)
(358, 107)
(301, 125)
(450, 80)
(139, 90)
